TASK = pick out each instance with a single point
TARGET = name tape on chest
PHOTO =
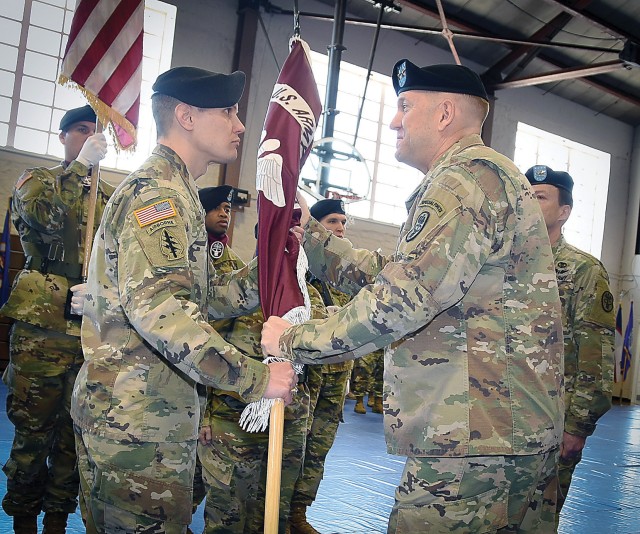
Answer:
(163, 209)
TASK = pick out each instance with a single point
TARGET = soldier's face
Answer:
(216, 133)
(217, 220)
(74, 137)
(418, 137)
(554, 213)
(336, 223)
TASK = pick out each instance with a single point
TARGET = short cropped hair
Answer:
(163, 108)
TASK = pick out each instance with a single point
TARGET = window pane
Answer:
(40, 66)
(10, 31)
(31, 140)
(34, 115)
(56, 148)
(7, 79)
(13, 9)
(46, 16)
(59, 3)
(35, 90)
(68, 97)
(4, 132)
(8, 57)
(44, 41)
(359, 209)
(5, 109)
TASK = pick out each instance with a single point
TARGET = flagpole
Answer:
(91, 214)
(274, 468)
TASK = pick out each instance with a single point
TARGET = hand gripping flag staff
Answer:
(103, 59)
(287, 137)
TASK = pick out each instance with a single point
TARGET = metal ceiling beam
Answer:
(593, 19)
(597, 84)
(548, 31)
(562, 75)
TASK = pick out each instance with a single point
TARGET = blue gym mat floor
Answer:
(356, 494)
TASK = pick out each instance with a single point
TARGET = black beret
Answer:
(438, 78)
(212, 197)
(541, 174)
(201, 88)
(327, 206)
(85, 113)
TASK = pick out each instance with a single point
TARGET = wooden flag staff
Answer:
(274, 468)
(91, 214)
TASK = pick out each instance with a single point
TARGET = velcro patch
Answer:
(418, 226)
(163, 209)
(23, 179)
(170, 245)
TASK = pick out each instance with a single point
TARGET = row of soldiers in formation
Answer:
(468, 308)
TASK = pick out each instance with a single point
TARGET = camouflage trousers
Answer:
(367, 375)
(566, 467)
(478, 494)
(134, 488)
(41, 469)
(234, 466)
(327, 399)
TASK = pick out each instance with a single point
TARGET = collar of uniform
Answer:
(169, 154)
(558, 245)
(457, 147)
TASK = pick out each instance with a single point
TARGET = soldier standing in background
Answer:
(327, 385)
(469, 311)
(588, 322)
(50, 214)
(145, 334)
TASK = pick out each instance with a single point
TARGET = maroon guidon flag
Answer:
(287, 137)
(103, 59)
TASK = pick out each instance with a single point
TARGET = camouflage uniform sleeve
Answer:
(589, 388)
(337, 262)
(157, 293)
(41, 197)
(441, 257)
(235, 293)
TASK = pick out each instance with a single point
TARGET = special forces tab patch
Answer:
(418, 226)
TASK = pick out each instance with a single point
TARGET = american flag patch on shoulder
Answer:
(163, 209)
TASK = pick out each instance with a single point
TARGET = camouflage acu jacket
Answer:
(145, 333)
(332, 297)
(588, 323)
(50, 208)
(467, 307)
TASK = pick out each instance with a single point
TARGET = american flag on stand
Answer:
(103, 59)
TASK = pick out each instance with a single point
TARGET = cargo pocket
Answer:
(217, 469)
(486, 512)
(143, 496)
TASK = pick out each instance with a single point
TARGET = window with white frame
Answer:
(388, 182)
(589, 169)
(33, 38)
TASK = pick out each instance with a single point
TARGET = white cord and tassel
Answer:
(255, 416)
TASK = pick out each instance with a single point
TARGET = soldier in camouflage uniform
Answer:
(367, 379)
(469, 311)
(216, 202)
(145, 335)
(588, 323)
(50, 212)
(235, 461)
(327, 384)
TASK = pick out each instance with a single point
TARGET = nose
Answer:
(396, 122)
(239, 129)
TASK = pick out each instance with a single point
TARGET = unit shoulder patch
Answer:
(23, 179)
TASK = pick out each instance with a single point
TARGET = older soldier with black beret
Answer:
(588, 322)
(469, 311)
(49, 213)
(145, 334)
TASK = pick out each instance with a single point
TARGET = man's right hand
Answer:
(282, 382)
(93, 150)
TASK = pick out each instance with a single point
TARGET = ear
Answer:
(63, 137)
(184, 115)
(447, 112)
(565, 211)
